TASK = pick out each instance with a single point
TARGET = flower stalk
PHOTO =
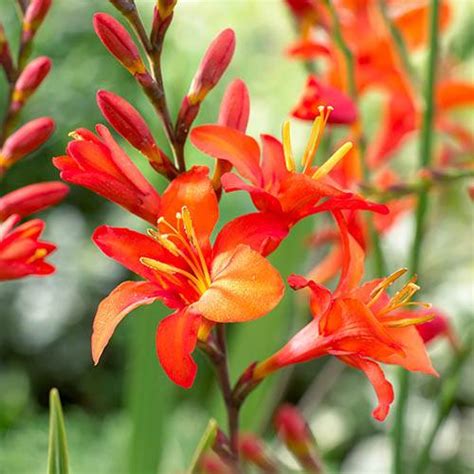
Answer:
(425, 158)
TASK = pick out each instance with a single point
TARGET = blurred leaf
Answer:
(151, 395)
(205, 443)
(58, 462)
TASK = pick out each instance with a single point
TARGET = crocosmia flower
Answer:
(21, 251)
(273, 182)
(204, 284)
(98, 163)
(360, 324)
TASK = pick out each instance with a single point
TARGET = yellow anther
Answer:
(313, 144)
(384, 284)
(333, 160)
(39, 253)
(287, 150)
(75, 135)
(405, 322)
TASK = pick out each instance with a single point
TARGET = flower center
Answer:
(180, 241)
(317, 131)
(401, 299)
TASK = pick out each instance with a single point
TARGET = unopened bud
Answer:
(211, 463)
(128, 122)
(31, 199)
(165, 8)
(25, 140)
(213, 66)
(29, 80)
(34, 16)
(117, 40)
(253, 451)
(295, 433)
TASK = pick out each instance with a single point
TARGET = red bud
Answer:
(235, 106)
(213, 66)
(128, 122)
(295, 433)
(211, 463)
(34, 16)
(117, 40)
(26, 140)
(29, 80)
(253, 451)
(31, 199)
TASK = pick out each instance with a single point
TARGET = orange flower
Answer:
(21, 251)
(98, 163)
(227, 282)
(359, 324)
(275, 184)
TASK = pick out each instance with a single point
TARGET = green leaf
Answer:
(151, 395)
(58, 462)
(205, 443)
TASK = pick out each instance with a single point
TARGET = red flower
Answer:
(227, 282)
(275, 185)
(31, 199)
(359, 324)
(99, 164)
(21, 251)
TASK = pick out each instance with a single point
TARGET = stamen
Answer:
(75, 135)
(405, 322)
(384, 284)
(334, 159)
(287, 149)
(39, 253)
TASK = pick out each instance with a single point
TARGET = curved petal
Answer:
(263, 200)
(321, 297)
(176, 338)
(273, 160)
(225, 143)
(126, 247)
(194, 190)
(383, 388)
(112, 309)
(261, 231)
(244, 287)
(452, 94)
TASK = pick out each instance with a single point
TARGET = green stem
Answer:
(426, 149)
(446, 401)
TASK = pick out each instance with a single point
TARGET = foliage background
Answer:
(125, 412)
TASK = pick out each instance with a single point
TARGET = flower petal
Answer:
(176, 338)
(383, 388)
(225, 143)
(244, 287)
(194, 190)
(112, 309)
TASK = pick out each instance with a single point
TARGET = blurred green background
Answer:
(125, 412)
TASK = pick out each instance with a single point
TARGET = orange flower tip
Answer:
(297, 282)
(165, 8)
(117, 40)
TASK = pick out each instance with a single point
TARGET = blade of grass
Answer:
(58, 459)
(205, 443)
(151, 395)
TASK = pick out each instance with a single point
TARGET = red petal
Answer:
(235, 106)
(225, 143)
(176, 338)
(273, 161)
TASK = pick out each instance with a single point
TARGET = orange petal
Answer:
(451, 94)
(194, 190)
(244, 287)
(176, 338)
(228, 144)
(414, 356)
(383, 388)
(123, 299)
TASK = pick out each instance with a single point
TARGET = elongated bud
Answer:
(34, 16)
(234, 112)
(5, 56)
(165, 8)
(295, 433)
(25, 140)
(213, 66)
(117, 40)
(31, 199)
(128, 122)
(211, 463)
(30, 79)
(253, 451)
